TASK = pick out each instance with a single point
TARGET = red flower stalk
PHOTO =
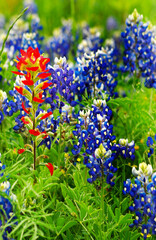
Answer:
(34, 67)
(51, 168)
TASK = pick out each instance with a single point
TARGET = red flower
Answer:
(46, 115)
(34, 132)
(51, 168)
(20, 151)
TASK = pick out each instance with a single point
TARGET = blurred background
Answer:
(95, 12)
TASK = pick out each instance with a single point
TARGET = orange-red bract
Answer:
(39, 100)
(19, 90)
(31, 60)
(25, 110)
(34, 132)
(51, 168)
(20, 151)
(46, 115)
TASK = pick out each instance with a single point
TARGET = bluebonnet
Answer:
(125, 149)
(2, 21)
(94, 137)
(114, 46)
(62, 79)
(6, 210)
(96, 74)
(49, 125)
(3, 97)
(111, 23)
(96, 145)
(151, 143)
(14, 105)
(139, 49)
(32, 7)
(143, 193)
(35, 28)
(60, 43)
(31, 16)
(1, 117)
(91, 41)
(29, 40)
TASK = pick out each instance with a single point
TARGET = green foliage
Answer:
(65, 206)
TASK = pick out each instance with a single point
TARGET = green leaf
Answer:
(64, 190)
(110, 212)
(125, 219)
(124, 205)
(83, 210)
(117, 214)
(67, 226)
(71, 207)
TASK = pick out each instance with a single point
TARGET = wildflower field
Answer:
(77, 120)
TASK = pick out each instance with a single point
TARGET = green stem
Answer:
(10, 30)
(102, 200)
(59, 149)
(34, 146)
(124, 169)
(151, 99)
(34, 125)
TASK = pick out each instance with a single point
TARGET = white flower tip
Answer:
(135, 172)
